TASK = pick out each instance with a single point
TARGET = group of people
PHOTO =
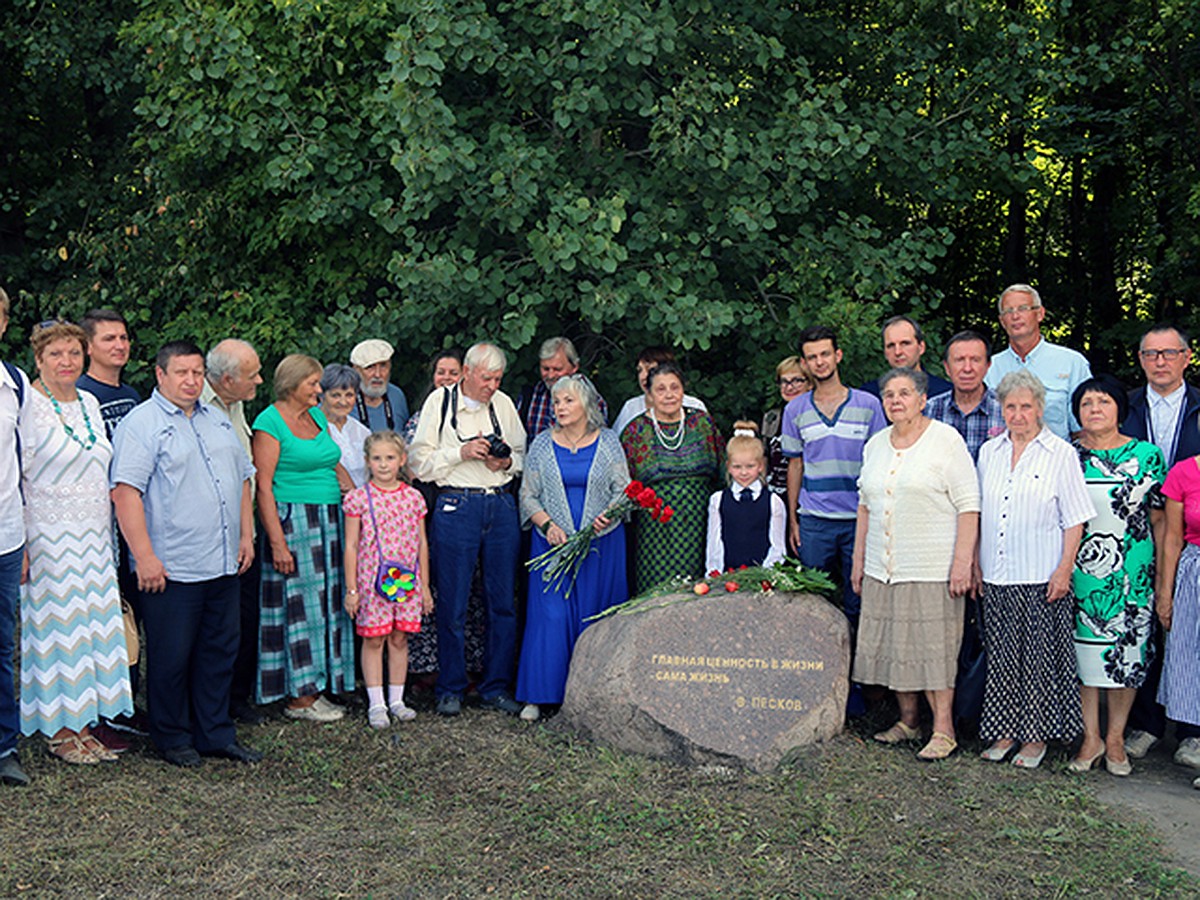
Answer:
(338, 537)
(1065, 502)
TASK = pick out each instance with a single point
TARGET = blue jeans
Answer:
(192, 633)
(10, 591)
(823, 541)
(466, 528)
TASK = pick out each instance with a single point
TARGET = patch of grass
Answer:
(485, 805)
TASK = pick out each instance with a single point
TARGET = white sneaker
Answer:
(312, 713)
(377, 717)
(1139, 743)
(403, 712)
(530, 712)
(328, 706)
(1188, 753)
(1196, 784)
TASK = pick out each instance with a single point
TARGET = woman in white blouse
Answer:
(1035, 503)
(914, 548)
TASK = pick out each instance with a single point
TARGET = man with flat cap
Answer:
(380, 404)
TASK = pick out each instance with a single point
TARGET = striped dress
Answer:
(74, 667)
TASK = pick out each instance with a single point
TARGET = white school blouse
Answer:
(1027, 508)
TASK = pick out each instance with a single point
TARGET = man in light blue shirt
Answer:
(1060, 369)
(181, 486)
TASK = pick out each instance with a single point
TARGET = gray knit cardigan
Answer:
(542, 486)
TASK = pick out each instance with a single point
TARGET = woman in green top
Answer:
(306, 642)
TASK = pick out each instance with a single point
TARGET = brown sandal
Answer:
(97, 748)
(71, 750)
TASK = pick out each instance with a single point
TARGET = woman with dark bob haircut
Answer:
(1113, 581)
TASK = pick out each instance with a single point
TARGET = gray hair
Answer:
(581, 388)
(225, 360)
(1018, 289)
(1165, 329)
(919, 379)
(338, 377)
(551, 346)
(485, 357)
(1022, 380)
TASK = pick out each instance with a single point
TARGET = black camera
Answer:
(497, 446)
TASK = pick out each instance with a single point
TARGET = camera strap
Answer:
(453, 401)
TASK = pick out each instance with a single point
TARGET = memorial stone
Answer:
(731, 677)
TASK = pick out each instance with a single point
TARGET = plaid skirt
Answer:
(305, 638)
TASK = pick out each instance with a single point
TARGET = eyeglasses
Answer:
(793, 382)
(1169, 355)
(1016, 311)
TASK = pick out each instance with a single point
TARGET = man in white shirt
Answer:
(14, 395)
(232, 374)
(1165, 412)
(471, 443)
(1060, 369)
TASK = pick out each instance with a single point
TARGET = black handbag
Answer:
(972, 664)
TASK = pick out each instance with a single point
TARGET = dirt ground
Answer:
(1161, 793)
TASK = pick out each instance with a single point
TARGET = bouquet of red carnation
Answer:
(558, 564)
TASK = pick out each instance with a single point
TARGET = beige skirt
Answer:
(908, 636)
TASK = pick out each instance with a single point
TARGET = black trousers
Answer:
(192, 633)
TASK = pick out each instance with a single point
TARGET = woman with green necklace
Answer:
(74, 667)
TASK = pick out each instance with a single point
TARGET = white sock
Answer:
(375, 695)
(396, 694)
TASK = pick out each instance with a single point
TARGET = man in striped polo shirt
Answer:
(824, 432)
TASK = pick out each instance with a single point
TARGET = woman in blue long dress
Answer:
(573, 473)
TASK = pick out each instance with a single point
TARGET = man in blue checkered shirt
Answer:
(971, 407)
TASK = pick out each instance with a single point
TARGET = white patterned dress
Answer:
(74, 666)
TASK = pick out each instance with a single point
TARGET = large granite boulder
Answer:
(740, 677)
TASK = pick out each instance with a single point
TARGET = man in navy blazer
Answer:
(1165, 412)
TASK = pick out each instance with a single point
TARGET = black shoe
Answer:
(448, 705)
(184, 757)
(501, 703)
(11, 771)
(246, 714)
(132, 724)
(237, 753)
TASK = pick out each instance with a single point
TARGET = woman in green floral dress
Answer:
(1114, 569)
(677, 451)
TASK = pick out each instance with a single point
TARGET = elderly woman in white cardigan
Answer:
(573, 472)
(918, 520)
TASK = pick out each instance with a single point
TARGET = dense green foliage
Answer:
(708, 174)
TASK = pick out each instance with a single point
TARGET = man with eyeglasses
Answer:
(470, 442)
(1165, 412)
(1059, 368)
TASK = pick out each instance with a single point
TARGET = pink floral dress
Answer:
(398, 514)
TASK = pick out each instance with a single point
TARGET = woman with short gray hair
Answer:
(1034, 506)
(574, 471)
(339, 388)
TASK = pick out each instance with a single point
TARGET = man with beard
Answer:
(380, 404)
